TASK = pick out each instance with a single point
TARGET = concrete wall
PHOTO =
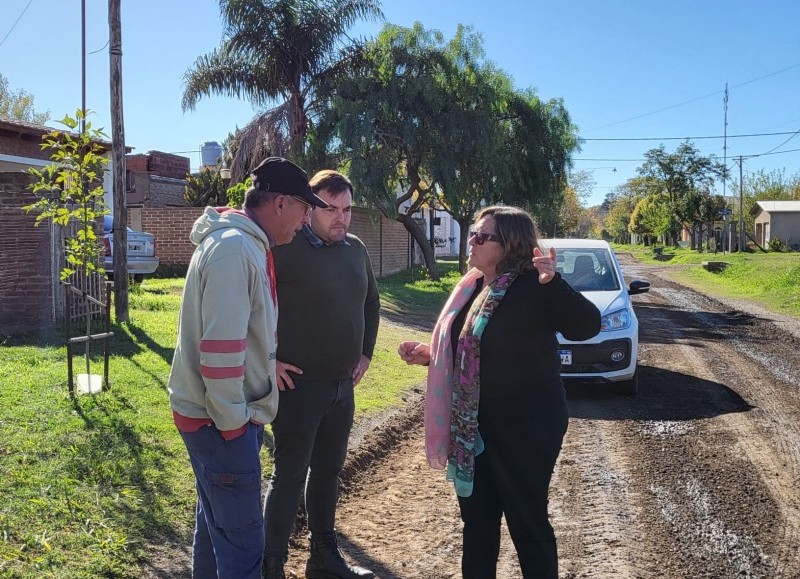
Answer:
(786, 227)
(26, 286)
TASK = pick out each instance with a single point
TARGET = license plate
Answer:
(566, 357)
(135, 247)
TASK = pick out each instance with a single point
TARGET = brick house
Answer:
(30, 295)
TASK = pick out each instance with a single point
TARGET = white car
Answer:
(591, 267)
(141, 255)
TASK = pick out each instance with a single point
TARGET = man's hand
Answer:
(546, 264)
(360, 369)
(284, 380)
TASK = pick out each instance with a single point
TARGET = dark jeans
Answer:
(229, 529)
(512, 478)
(311, 432)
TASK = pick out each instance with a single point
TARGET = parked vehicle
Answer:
(591, 268)
(142, 259)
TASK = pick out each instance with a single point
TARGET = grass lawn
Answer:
(89, 483)
(771, 279)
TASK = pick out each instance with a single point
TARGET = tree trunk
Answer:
(299, 126)
(118, 150)
(419, 236)
(463, 239)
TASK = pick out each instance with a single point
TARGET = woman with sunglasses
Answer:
(495, 407)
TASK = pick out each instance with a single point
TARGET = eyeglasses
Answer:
(481, 238)
(308, 206)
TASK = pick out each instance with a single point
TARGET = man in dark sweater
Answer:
(327, 326)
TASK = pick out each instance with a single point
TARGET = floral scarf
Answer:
(452, 439)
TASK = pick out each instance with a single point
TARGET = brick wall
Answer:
(26, 288)
(395, 248)
(24, 146)
(137, 163)
(387, 240)
(171, 226)
(159, 163)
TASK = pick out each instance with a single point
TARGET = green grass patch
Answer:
(90, 483)
(770, 279)
(412, 292)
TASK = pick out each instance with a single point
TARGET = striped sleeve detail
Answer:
(221, 373)
(223, 346)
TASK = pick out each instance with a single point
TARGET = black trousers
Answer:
(311, 432)
(512, 478)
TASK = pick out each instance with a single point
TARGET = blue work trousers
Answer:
(229, 530)
(311, 432)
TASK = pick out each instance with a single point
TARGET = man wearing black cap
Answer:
(222, 387)
(327, 329)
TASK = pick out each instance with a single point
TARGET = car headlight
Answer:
(616, 320)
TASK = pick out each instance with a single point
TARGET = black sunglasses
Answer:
(481, 238)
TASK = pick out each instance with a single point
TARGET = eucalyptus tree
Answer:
(273, 54)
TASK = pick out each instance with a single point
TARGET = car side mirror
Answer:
(638, 286)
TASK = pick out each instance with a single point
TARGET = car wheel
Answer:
(629, 387)
(138, 278)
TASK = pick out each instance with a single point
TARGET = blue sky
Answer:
(624, 68)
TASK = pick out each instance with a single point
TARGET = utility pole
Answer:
(742, 241)
(118, 153)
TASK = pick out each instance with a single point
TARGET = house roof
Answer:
(775, 207)
(31, 132)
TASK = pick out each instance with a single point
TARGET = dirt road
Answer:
(697, 476)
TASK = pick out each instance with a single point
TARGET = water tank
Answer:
(210, 153)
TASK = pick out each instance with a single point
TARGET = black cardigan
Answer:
(519, 350)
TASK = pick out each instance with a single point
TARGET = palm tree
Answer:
(276, 51)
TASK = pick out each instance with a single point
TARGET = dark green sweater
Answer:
(328, 306)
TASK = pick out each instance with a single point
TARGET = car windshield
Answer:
(587, 269)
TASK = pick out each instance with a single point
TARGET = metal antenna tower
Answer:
(725, 142)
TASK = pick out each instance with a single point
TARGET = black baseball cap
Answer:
(280, 175)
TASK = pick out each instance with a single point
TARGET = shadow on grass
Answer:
(112, 456)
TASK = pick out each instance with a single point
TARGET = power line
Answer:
(610, 160)
(99, 49)
(769, 153)
(716, 92)
(24, 10)
(661, 110)
(751, 156)
(783, 143)
(693, 138)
